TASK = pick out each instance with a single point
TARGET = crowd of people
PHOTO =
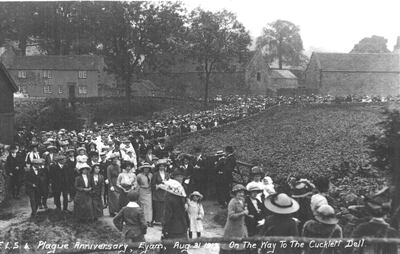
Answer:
(133, 171)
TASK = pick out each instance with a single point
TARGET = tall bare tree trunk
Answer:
(206, 88)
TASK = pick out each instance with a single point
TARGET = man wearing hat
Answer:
(228, 168)
(32, 183)
(160, 151)
(71, 173)
(221, 184)
(257, 211)
(14, 169)
(58, 176)
(198, 181)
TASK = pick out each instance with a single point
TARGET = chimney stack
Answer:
(396, 48)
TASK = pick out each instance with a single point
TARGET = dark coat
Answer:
(315, 229)
(71, 173)
(83, 208)
(160, 153)
(131, 221)
(32, 179)
(97, 191)
(229, 167)
(175, 219)
(12, 164)
(58, 177)
(281, 225)
(375, 228)
(258, 215)
(158, 195)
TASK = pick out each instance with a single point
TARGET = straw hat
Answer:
(162, 162)
(196, 193)
(326, 214)
(281, 203)
(174, 187)
(253, 186)
(80, 148)
(85, 165)
(145, 165)
(39, 161)
(51, 147)
(238, 187)
(256, 171)
(220, 153)
(302, 188)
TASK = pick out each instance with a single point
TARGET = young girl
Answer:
(82, 158)
(195, 212)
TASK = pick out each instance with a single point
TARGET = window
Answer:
(60, 89)
(258, 76)
(47, 74)
(82, 89)
(47, 89)
(21, 74)
(82, 74)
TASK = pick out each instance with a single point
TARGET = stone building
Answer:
(257, 75)
(283, 79)
(54, 76)
(342, 74)
(7, 90)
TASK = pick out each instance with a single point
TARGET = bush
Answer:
(49, 114)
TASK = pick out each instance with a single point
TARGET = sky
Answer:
(328, 26)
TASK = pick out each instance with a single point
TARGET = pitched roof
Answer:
(282, 74)
(73, 62)
(10, 82)
(358, 62)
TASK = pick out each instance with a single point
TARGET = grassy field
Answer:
(305, 141)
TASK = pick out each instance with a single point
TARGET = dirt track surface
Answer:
(60, 228)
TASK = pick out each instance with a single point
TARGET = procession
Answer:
(133, 171)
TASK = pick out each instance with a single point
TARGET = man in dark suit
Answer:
(199, 174)
(71, 173)
(220, 179)
(160, 151)
(32, 185)
(229, 167)
(257, 211)
(14, 168)
(58, 179)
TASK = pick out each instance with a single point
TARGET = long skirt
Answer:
(145, 202)
(113, 201)
(158, 210)
(83, 208)
(123, 199)
(97, 206)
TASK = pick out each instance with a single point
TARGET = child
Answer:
(195, 212)
(130, 220)
(82, 158)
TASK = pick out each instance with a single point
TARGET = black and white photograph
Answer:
(200, 127)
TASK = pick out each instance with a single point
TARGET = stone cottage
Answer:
(342, 74)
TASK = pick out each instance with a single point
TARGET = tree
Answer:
(131, 34)
(18, 22)
(374, 44)
(281, 40)
(216, 40)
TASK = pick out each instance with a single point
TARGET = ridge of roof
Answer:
(14, 87)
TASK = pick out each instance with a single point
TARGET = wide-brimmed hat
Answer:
(59, 158)
(196, 193)
(256, 170)
(51, 148)
(253, 186)
(162, 162)
(80, 148)
(220, 153)
(238, 187)
(174, 187)
(70, 150)
(85, 165)
(145, 165)
(326, 214)
(281, 203)
(302, 188)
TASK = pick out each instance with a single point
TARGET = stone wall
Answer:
(345, 83)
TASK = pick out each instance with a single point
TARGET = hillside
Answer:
(304, 141)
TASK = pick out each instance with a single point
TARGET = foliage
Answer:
(46, 115)
(373, 44)
(383, 144)
(281, 40)
(215, 41)
(305, 142)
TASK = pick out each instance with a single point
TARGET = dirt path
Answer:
(18, 213)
